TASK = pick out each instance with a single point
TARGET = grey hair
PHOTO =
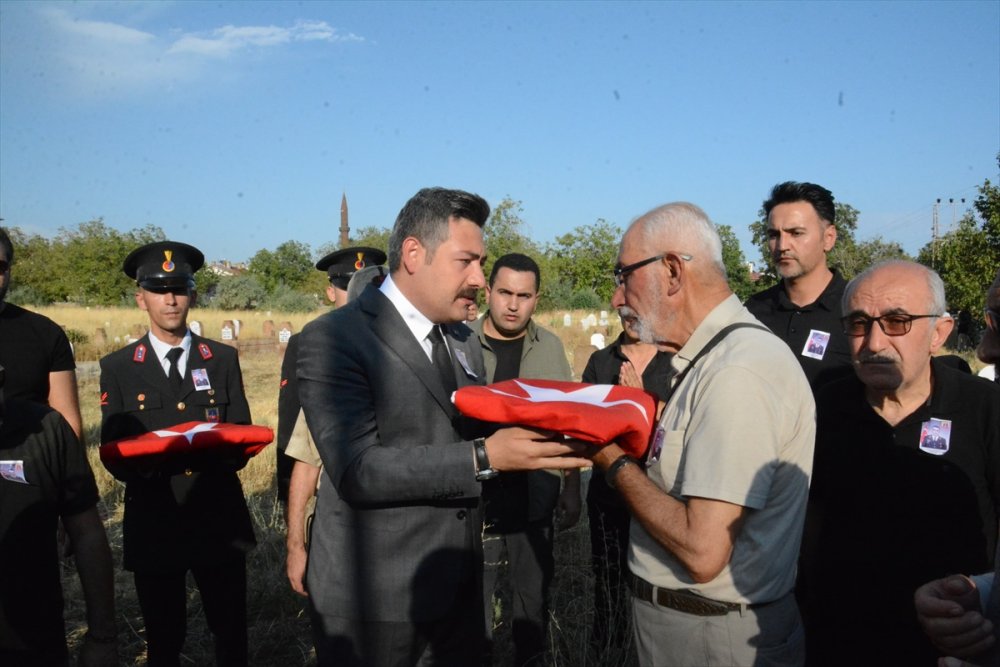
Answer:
(690, 229)
(937, 305)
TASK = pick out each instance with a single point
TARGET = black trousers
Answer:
(609, 528)
(530, 569)
(163, 600)
(456, 640)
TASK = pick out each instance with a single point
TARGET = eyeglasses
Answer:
(621, 272)
(992, 319)
(897, 324)
(4, 265)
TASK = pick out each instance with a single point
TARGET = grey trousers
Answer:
(769, 636)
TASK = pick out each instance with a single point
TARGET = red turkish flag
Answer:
(190, 437)
(598, 413)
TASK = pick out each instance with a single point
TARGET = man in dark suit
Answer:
(396, 553)
(180, 515)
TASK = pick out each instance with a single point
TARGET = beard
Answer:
(645, 326)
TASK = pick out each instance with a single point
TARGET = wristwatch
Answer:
(483, 469)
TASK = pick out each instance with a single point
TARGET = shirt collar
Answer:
(161, 348)
(726, 312)
(419, 325)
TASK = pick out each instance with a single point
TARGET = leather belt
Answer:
(689, 603)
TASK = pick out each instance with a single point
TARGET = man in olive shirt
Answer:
(518, 511)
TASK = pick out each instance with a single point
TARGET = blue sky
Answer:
(237, 126)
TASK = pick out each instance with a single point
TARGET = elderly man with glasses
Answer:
(719, 500)
(906, 482)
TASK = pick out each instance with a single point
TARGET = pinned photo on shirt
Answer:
(200, 377)
(13, 471)
(654, 450)
(935, 436)
(815, 346)
(464, 362)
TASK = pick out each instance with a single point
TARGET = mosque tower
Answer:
(344, 227)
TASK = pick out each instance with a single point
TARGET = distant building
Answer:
(226, 268)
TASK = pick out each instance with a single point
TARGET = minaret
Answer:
(344, 227)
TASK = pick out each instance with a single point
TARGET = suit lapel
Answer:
(389, 326)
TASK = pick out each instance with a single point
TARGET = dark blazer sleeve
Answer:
(384, 439)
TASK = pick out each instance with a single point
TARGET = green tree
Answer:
(966, 262)
(987, 204)
(737, 269)
(585, 257)
(86, 260)
(242, 292)
(504, 233)
(289, 264)
(371, 236)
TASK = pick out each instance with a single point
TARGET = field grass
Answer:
(278, 625)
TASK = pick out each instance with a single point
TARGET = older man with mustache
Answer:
(893, 506)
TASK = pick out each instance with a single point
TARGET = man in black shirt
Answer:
(890, 509)
(804, 308)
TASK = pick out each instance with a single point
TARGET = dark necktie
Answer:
(174, 374)
(442, 360)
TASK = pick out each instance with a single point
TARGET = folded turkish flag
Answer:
(598, 413)
(190, 437)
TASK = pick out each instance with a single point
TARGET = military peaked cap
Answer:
(341, 264)
(164, 264)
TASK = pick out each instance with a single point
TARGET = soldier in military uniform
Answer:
(339, 265)
(180, 515)
(299, 468)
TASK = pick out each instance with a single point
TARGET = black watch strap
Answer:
(615, 468)
(483, 469)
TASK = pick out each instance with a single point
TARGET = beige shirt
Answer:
(301, 445)
(741, 429)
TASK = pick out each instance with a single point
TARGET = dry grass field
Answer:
(279, 627)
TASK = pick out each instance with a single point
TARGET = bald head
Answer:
(892, 355)
(683, 227)
(670, 274)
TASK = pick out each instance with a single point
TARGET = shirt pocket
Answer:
(667, 470)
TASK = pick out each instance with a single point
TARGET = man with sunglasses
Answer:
(179, 516)
(893, 505)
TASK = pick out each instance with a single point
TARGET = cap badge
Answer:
(360, 264)
(168, 265)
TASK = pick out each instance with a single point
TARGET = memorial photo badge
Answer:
(815, 346)
(935, 436)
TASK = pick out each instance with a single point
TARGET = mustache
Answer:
(468, 294)
(875, 358)
(626, 312)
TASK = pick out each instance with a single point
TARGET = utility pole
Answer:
(934, 234)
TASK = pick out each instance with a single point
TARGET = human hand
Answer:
(628, 377)
(948, 610)
(606, 455)
(518, 448)
(295, 568)
(568, 507)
